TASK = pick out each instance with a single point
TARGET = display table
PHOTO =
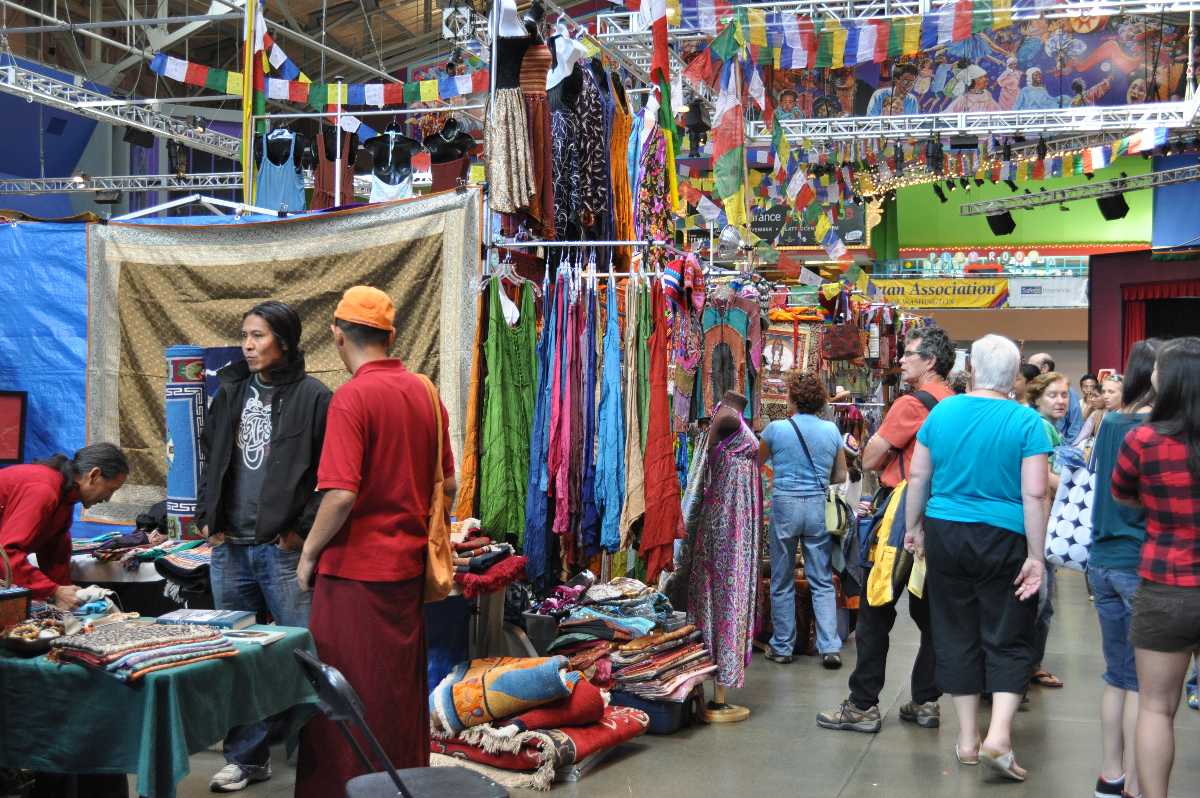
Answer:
(69, 719)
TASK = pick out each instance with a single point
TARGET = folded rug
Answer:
(496, 688)
(494, 579)
(545, 751)
(584, 706)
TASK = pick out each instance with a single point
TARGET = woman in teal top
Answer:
(976, 511)
(1050, 395)
(1117, 535)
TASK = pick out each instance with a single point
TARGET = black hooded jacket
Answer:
(289, 500)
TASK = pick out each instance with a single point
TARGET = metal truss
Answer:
(1077, 121)
(622, 35)
(135, 183)
(1106, 188)
(36, 87)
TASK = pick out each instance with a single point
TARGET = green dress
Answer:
(508, 415)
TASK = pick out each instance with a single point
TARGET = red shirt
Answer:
(1152, 469)
(380, 444)
(36, 519)
(900, 426)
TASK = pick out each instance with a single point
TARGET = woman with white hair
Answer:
(976, 97)
(1010, 84)
(976, 510)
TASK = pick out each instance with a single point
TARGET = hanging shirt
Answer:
(279, 186)
(385, 192)
(610, 449)
(249, 463)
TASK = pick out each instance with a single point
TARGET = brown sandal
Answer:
(1045, 678)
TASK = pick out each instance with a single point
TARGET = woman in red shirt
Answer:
(1158, 468)
(37, 503)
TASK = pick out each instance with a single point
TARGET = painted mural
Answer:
(1032, 64)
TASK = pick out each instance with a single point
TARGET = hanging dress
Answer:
(508, 415)
(325, 172)
(506, 133)
(589, 525)
(467, 501)
(622, 201)
(535, 66)
(280, 186)
(635, 496)
(610, 446)
(724, 536)
(664, 523)
(559, 458)
(537, 522)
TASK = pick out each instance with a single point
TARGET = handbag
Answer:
(439, 562)
(837, 512)
(1069, 530)
(841, 340)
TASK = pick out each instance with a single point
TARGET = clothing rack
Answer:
(857, 404)
(585, 244)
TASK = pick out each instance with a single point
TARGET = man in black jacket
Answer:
(257, 496)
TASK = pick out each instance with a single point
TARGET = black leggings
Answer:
(982, 635)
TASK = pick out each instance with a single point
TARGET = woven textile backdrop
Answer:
(151, 286)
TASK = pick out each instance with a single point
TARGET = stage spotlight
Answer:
(1012, 186)
(1089, 175)
(950, 184)
(978, 181)
(1113, 207)
(962, 181)
(1001, 224)
(941, 195)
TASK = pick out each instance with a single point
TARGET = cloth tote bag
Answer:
(1069, 530)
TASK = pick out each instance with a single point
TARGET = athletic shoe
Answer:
(781, 659)
(1107, 789)
(927, 715)
(234, 778)
(1193, 699)
(831, 662)
(848, 717)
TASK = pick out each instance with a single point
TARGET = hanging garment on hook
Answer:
(635, 496)
(508, 415)
(467, 501)
(663, 520)
(537, 521)
(610, 449)
(280, 187)
(589, 525)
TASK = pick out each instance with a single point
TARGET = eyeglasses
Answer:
(910, 353)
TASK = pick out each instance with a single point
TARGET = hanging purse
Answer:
(842, 340)
(439, 562)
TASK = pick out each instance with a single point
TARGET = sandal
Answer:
(1045, 678)
(967, 760)
(1003, 764)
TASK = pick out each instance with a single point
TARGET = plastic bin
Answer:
(666, 717)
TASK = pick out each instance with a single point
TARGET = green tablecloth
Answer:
(70, 719)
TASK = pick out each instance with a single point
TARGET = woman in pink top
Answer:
(1010, 84)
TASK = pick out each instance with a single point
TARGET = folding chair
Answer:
(339, 702)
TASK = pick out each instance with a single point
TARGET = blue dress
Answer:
(610, 456)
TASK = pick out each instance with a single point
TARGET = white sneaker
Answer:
(233, 778)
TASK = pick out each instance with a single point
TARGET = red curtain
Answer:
(1134, 313)
(1173, 289)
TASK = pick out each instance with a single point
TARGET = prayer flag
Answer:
(758, 91)
(895, 38)
(428, 91)
(729, 153)
(945, 25)
(1001, 14)
(412, 92)
(217, 80)
(196, 75)
(464, 84)
(929, 31)
(393, 94)
(1099, 157)
(912, 37)
(373, 95)
(837, 46)
(480, 80)
(356, 94)
(961, 20)
(298, 91)
(175, 69)
(982, 19)
(757, 22)
(881, 36)
(317, 93)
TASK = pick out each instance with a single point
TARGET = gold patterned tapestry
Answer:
(152, 286)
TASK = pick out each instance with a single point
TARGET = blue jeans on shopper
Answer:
(796, 520)
(1112, 593)
(261, 578)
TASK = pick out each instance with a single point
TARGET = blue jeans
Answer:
(1112, 593)
(259, 578)
(796, 519)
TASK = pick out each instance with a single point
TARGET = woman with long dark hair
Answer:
(37, 504)
(1117, 536)
(1158, 468)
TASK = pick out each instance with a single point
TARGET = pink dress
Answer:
(1010, 88)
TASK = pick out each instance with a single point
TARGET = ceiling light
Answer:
(950, 183)
(1012, 186)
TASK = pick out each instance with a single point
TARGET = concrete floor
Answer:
(781, 752)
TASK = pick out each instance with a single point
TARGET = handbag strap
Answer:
(808, 454)
(438, 475)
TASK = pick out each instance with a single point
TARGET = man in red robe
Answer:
(365, 556)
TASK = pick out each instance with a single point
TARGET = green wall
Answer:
(924, 221)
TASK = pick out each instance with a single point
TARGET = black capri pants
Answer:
(983, 636)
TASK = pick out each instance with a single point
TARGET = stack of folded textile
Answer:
(477, 555)
(482, 564)
(129, 650)
(663, 667)
(520, 720)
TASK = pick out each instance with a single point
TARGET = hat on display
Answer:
(672, 280)
(367, 306)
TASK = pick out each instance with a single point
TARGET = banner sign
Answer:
(990, 292)
(1047, 292)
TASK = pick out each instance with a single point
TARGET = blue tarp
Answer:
(1176, 223)
(43, 330)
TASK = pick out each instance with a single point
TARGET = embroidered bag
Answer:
(841, 340)
(1069, 530)
(439, 564)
